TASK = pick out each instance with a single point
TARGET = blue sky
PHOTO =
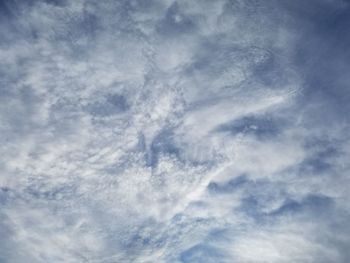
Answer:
(174, 131)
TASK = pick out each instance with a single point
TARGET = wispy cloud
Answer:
(174, 131)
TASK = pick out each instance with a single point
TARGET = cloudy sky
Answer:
(164, 131)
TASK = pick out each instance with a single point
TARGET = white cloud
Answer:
(117, 118)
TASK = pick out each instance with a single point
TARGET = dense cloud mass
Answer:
(174, 131)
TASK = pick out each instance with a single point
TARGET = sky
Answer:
(164, 131)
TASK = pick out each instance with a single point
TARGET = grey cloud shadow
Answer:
(227, 187)
(320, 161)
(311, 206)
(111, 105)
(316, 205)
(262, 127)
(202, 253)
(175, 23)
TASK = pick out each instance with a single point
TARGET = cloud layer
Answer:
(174, 131)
